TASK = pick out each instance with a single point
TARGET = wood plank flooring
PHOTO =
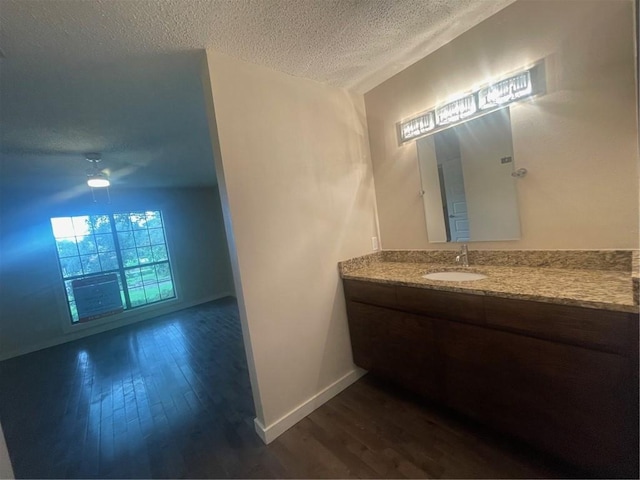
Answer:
(170, 398)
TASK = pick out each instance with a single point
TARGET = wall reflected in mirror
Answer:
(469, 193)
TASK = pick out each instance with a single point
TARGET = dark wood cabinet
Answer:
(397, 345)
(562, 378)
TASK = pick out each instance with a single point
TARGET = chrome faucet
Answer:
(463, 256)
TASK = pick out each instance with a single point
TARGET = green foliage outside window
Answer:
(132, 245)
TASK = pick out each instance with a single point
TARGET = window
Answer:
(131, 246)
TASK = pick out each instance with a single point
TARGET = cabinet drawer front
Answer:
(438, 304)
(599, 329)
(369, 292)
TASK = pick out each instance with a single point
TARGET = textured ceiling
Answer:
(121, 77)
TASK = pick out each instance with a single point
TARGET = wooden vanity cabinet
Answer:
(409, 355)
(562, 378)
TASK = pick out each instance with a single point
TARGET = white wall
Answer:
(33, 312)
(294, 168)
(578, 142)
(6, 470)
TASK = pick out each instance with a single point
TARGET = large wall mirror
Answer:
(469, 193)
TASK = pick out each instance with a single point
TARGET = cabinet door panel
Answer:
(565, 399)
(367, 335)
(398, 346)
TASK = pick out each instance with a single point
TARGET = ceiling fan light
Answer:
(96, 178)
(98, 181)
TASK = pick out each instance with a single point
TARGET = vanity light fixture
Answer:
(525, 84)
(505, 91)
(457, 110)
(417, 126)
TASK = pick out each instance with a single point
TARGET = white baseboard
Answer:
(270, 433)
(138, 317)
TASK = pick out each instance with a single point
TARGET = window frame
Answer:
(129, 308)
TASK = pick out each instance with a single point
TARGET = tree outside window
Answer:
(131, 245)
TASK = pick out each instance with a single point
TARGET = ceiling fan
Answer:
(96, 177)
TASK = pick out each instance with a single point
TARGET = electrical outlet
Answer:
(374, 243)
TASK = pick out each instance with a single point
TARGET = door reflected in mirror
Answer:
(469, 193)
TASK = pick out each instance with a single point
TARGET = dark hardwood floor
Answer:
(170, 398)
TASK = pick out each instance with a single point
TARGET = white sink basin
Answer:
(454, 276)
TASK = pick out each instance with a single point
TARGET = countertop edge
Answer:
(510, 295)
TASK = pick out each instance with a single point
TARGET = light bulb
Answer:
(98, 181)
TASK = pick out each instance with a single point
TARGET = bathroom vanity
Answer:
(548, 355)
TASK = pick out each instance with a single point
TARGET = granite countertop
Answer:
(601, 289)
